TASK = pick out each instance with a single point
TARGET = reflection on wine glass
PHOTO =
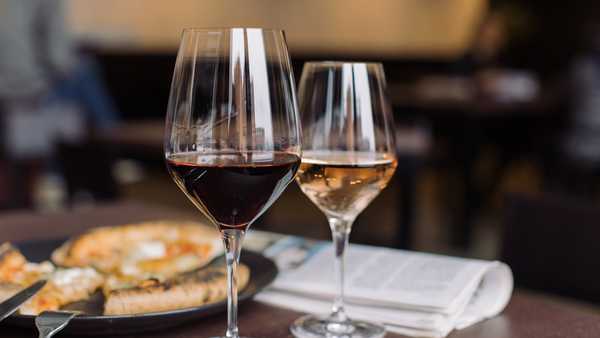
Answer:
(232, 137)
(348, 158)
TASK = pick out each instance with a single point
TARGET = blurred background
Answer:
(497, 106)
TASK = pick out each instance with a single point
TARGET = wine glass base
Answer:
(318, 327)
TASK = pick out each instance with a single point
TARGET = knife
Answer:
(9, 306)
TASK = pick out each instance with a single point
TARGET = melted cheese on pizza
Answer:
(161, 259)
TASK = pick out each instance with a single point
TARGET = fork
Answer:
(49, 323)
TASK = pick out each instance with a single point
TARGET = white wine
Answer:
(341, 183)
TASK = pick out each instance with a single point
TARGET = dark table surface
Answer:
(528, 315)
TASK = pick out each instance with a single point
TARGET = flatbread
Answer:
(195, 288)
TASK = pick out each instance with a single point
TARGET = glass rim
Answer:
(225, 29)
(341, 63)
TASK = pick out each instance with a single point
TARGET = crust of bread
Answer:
(10, 261)
(59, 255)
(195, 288)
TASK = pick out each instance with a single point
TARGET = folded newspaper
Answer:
(415, 294)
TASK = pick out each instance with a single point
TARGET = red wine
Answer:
(233, 189)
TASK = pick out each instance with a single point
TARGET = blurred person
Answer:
(487, 47)
(48, 92)
(35, 49)
(479, 151)
(492, 60)
(574, 165)
(582, 138)
(39, 63)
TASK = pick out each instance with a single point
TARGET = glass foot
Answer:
(318, 327)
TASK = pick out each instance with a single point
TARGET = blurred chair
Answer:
(87, 169)
(564, 175)
(551, 244)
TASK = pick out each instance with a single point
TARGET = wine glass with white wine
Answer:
(348, 158)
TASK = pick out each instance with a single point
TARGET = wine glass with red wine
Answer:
(232, 136)
(348, 158)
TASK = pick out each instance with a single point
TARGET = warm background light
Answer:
(383, 28)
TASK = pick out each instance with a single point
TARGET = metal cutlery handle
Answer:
(45, 333)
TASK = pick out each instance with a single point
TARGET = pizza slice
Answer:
(64, 285)
(146, 250)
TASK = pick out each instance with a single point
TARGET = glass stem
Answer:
(233, 244)
(340, 231)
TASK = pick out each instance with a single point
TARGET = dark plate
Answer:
(262, 272)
